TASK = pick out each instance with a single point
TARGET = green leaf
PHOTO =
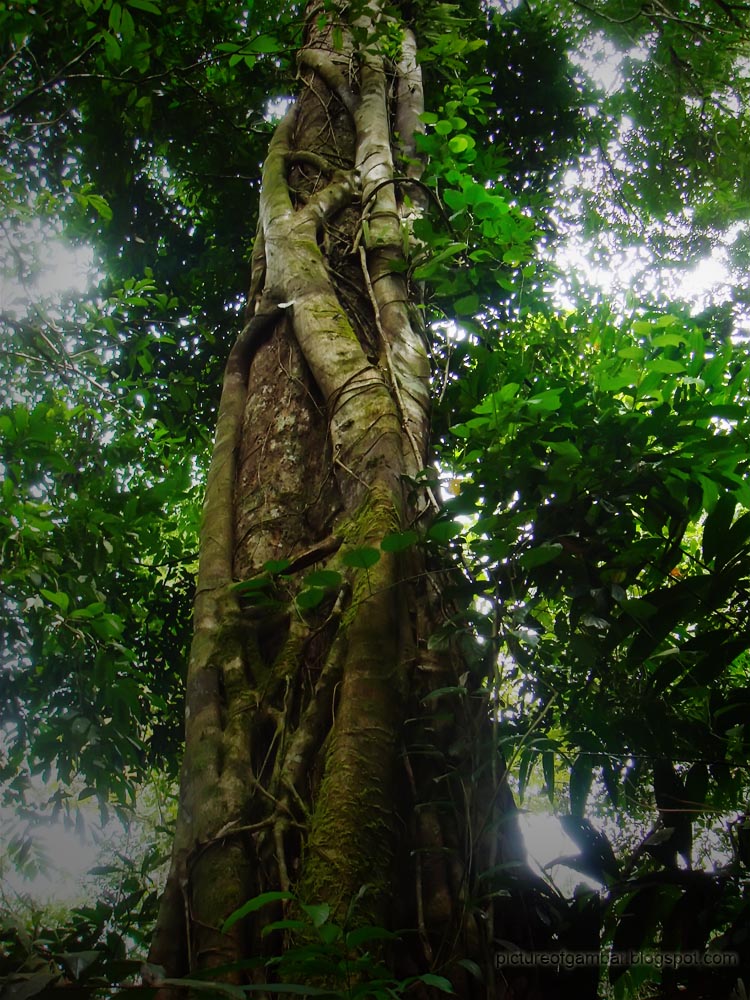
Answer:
(56, 597)
(361, 558)
(525, 765)
(101, 205)
(581, 778)
(326, 578)
(548, 400)
(115, 15)
(449, 689)
(491, 208)
(438, 982)
(274, 566)
(540, 555)
(455, 199)
(735, 540)
(265, 44)
(669, 340)
(111, 47)
(77, 962)
(328, 933)
(398, 541)
(466, 306)
(361, 935)
(496, 401)
(460, 143)
(317, 912)
(254, 904)
(309, 598)
(623, 380)
(149, 6)
(565, 448)
(127, 26)
(548, 769)
(284, 925)
(443, 531)
(666, 365)
(717, 525)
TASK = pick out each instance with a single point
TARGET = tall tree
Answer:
(347, 699)
(311, 762)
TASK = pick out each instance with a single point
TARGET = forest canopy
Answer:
(572, 241)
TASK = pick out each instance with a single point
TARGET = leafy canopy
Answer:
(595, 455)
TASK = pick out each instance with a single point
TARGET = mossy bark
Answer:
(313, 762)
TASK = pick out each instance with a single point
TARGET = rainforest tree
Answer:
(311, 626)
(377, 637)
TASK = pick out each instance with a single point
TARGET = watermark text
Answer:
(617, 959)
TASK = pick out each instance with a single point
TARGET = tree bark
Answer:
(314, 760)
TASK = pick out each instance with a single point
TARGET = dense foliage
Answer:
(593, 454)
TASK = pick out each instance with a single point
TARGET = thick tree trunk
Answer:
(312, 762)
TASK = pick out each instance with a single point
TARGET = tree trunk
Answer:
(313, 762)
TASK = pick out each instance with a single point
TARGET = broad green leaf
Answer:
(438, 982)
(399, 541)
(361, 558)
(329, 933)
(717, 525)
(622, 380)
(254, 904)
(361, 935)
(111, 47)
(275, 566)
(467, 305)
(264, 44)
(309, 598)
(102, 206)
(495, 401)
(115, 16)
(78, 962)
(548, 400)
(439, 692)
(443, 531)
(454, 199)
(526, 762)
(548, 769)
(581, 778)
(668, 340)
(61, 600)
(317, 912)
(149, 6)
(666, 365)
(284, 925)
(540, 555)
